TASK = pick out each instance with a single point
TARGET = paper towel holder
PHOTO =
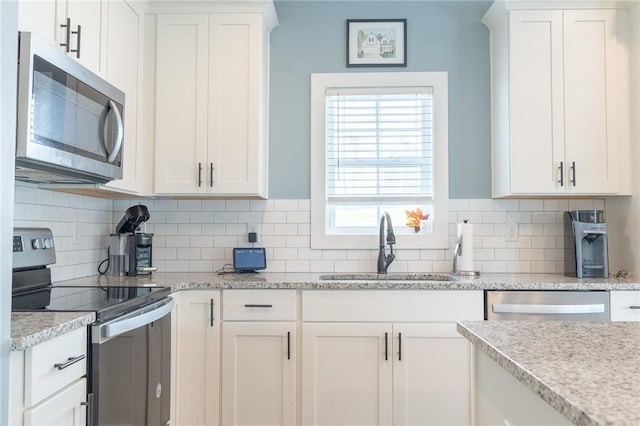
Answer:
(457, 252)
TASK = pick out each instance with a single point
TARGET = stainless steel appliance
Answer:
(70, 125)
(544, 305)
(128, 368)
(589, 231)
(130, 252)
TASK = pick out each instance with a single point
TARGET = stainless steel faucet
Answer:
(385, 260)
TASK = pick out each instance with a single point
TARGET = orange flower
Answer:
(414, 217)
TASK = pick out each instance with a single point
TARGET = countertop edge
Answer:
(560, 403)
(27, 338)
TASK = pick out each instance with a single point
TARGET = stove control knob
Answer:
(48, 243)
(37, 243)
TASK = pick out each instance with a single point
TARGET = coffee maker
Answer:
(589, 231)
(130, 252)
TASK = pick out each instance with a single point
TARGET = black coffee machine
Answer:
(130, 252)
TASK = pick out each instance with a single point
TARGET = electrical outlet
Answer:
(253, 227)
(511, 231)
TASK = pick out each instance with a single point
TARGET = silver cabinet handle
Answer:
(69, 362)
(573, 172)
(211, 175)
(77, 49)
(516, 308)
(119, 135)
(634, 307)
(561, 181)
(251, 305)
(199, 175)
(211, 304)
(67, 26)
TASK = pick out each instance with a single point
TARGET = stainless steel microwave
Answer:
(70, 126)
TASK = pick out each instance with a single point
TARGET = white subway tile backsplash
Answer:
(285, 205)
(238, 206)
(214, 205)
(199, 235)
(482, 205)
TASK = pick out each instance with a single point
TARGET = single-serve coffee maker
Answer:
(131, 252)
(589, 231)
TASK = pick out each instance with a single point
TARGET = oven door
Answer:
(129, 373)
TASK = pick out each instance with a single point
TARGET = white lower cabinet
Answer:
(413, 369)
(625, 305)
(48, 382)
(259, 373)
(196, 384)
(63, 408)
(259, 357)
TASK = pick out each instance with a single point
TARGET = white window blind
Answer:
(379, 143)
(379, 146)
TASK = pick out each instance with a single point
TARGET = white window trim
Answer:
(319, 84)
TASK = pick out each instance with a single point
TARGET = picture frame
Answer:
(376, 42)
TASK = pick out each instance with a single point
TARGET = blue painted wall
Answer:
(441, 36)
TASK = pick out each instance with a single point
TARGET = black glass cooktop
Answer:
(106, 302)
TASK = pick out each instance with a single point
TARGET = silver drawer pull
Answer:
(70, 361)
(547, 309)
(634, 307)
(251, 305)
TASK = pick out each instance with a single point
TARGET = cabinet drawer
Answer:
(625, 305)
(259, 305)
(392, 305)
(45, 369)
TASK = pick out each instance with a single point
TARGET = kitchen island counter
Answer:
(587, 371)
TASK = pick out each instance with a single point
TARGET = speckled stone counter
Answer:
(182, 281)
(28, 329)
(587, 371)
(185, 281)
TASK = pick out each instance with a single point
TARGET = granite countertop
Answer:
(30, 328)
(587, 371)
(311, 281)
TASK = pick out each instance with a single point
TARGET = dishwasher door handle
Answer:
(146, 315)
(525, 308)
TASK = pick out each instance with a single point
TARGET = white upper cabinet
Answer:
(124, 47)
(74, 25)
(211, 129)
(560, 111)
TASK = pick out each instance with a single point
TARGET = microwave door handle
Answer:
(119, 135)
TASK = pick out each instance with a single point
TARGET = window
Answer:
(379, 143)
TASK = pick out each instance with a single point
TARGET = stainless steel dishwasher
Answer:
(545, 305)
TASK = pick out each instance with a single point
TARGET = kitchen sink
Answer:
(388, 277)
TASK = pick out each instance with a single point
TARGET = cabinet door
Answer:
(197, 378)
(87, 15)
(536, 101)
(432, 375)
(591, 126)
(237, 89)
(39, 17)
(61, 409)
(259, 373)
(182, 75)
(625, 305)
(346, 374)
(122, 70)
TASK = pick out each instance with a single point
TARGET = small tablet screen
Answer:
(249, 259)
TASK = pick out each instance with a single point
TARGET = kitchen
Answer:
(197, 235)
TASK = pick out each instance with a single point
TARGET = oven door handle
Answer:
(141, 317)
(516, 308)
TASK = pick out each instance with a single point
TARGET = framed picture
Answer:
(376, 42)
